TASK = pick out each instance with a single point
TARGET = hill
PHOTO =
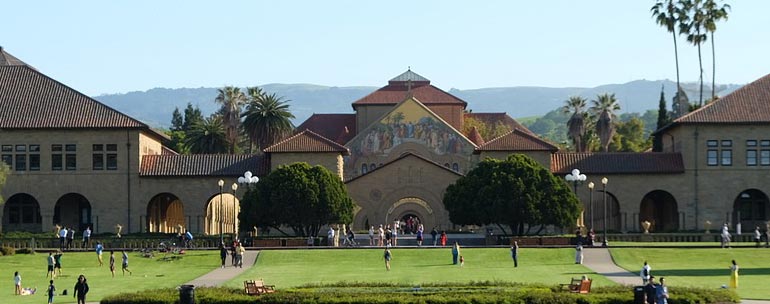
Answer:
(155, 106)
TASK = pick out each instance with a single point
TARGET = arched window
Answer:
(364, 168)
(456, 167)
(372, 166)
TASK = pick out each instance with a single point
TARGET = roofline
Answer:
(480, 149)
(345, 150)
(407, 154)
(463, 102)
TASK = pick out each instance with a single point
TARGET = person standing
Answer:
(57, 262)
(51, 291)
(330, 237)
(99, 249)
(381, 234)
(388, 236)
(87, 237)
(51, 262)
(725, 236)
(420, 230)
(757, 236)
(734, 275)
(371, 236)
(579, 253)
(62, 238)
(650, 291)
(515, 254)
(443, 238)
(396, 227)
(645, 273)
(455, 253)
(81, 289)
(112, 263)
(387, 255)
(70, 237)
(125, 264)
(662, 292)
(222, 253)
(17, 283)
(433, 234)
(239, 255)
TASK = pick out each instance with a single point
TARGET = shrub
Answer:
(5, 250)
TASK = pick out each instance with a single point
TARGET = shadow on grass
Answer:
(711, 272)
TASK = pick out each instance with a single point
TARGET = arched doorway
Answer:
(165, 214)
(73, 210)
(410, 223)
(22, 213)
(222, 214)
(751, 209)
(660, 209)
(612, 212)
(410, 207)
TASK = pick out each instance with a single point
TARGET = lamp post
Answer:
(604, 193)
(248, 178)
(235, 211)
(575, 178)
(591, 202)
(221, 184)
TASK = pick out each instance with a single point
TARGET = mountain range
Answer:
(155, 106)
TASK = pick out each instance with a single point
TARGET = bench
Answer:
(578, 286)
(257, 287)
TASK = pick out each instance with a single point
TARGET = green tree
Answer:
(487, 131)
(693, 25)
(515, 192)
(630, 137)
(300, 197)
(231, 99)
(267, 118)
(207, 137)
(177, 121)
(667, 14)
(4, 171)
(604, 108)
(576, 125)
(192, 115)
(663, 120)
(714, 14)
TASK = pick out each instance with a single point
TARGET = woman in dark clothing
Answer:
(223, 253)
(81, 289)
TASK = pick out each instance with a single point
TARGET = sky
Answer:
(102, 47)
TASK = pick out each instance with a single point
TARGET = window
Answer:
(751, 143)
(364, 168)
(727, 143)
(764, 157)
(70, 159)
(712, 143)
(100, 155)
(21, 157)
(7, 155)
(727, 157)
(751, 157)
(21, 162)
(456, 167)
(98, 161)
(56, 158)
(711, 157)
(112, 161)
(372, 166)
(764, 143)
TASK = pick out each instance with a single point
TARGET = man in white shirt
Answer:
(645, 273)
(330, 236)
(62, 238)
(87, 237)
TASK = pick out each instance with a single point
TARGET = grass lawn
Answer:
(702, 267)
(147, 274)
(290, 268)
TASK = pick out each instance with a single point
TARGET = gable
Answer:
(405, 168)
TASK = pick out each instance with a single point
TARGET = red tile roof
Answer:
(617, 163)
(749, 104)
(307, 141)
(166, 165)
(31, 100)
(517, 140)
(492, 118)
(340, 127)
(405, 155)
(396, 92)
(475, 137)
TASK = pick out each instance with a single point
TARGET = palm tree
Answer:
(693, 24)
(207, 137)
(604, 108)
(714, 14)
(267, 118)
(666, 14)
(576, 125)
(232, 99)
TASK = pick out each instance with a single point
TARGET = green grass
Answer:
(700, 267)
(147, 274)
(682, 244)
(291, 268)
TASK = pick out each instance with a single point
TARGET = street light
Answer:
(591, 202)
(221, 183)
(604, 193)
(235, 211)
(247, 179)
(576, 178)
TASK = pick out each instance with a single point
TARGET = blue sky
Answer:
(118, 46)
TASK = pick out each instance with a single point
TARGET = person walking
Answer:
(661, 292)
(125, 264)
(650, 291)
(81, 289)
(17, 283)
(387, 256)
(579, 253)
(87, 237)
(112, 263)
(757, 236)
(239, 255)
(57, 262)
(51, 291)
(725, 236)
(99, 249)
(433, 234)
(455, 253)
(734, 275)
(645, 273)
(222, 254)
(515, 254)
(51, 261)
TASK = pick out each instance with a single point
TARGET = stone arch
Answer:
(21, 212)
(751, 208)
(73, 210)
(222, 214)
(165, 214)
(613, 212)
(411, 206)
(659, 208)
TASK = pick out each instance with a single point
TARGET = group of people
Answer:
(80, 290)
(658, 293)
(236, 251)
(67, 237)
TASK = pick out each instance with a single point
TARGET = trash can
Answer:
(187, 294)
(638, 294)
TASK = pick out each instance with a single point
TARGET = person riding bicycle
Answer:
(188, 237)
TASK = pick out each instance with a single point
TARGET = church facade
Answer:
(76, 162)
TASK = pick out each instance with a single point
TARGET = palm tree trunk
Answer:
(700, 64)
(713, 69)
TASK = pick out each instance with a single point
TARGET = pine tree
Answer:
(663, 120)
(177, 121)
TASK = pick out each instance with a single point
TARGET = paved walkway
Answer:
(219, 276)
(600, 260)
